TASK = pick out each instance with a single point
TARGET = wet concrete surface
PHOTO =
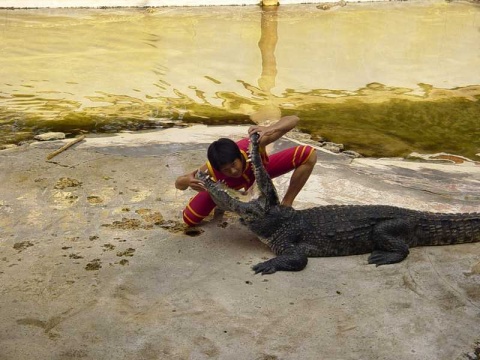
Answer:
(95, 263)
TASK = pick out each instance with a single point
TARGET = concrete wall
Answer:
(135, 3)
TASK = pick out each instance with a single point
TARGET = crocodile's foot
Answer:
(291, 261)
(266, 267)
(379, 257)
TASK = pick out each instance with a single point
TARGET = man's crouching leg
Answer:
(198, 208)
(299, 177)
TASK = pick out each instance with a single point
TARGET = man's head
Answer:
(225, 156)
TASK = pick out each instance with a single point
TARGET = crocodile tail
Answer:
(448, 229)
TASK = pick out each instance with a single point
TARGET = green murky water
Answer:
(383, 78)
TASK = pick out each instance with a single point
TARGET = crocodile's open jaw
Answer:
(233, 200)
(218, 190)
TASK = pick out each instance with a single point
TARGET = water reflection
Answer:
(270, 110)
(383, 78)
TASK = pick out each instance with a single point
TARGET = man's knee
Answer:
(191, 217)
(187, 218)
(312, 159)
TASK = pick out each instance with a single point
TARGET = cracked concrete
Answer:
(95, 263)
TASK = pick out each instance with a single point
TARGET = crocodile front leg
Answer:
(290, 260)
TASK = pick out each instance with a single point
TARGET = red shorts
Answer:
(279, 163)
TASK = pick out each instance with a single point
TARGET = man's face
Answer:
(234, 169)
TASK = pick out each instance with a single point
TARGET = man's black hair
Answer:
(222, 152)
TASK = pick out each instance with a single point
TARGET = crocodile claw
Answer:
(379, 257)
(265, 268)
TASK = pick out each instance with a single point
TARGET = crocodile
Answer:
(386, 232)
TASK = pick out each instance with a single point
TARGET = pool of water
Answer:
(385, 79)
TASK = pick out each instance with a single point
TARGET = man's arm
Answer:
(183, 182)
(271, 133)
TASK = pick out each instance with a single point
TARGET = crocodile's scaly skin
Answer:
(387, 232)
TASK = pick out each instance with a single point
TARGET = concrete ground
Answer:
(95, 263)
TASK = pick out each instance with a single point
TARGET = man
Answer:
(227, 161)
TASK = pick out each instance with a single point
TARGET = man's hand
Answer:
(271, 133)
(194, 183)
(261, 130)
(189, 180)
